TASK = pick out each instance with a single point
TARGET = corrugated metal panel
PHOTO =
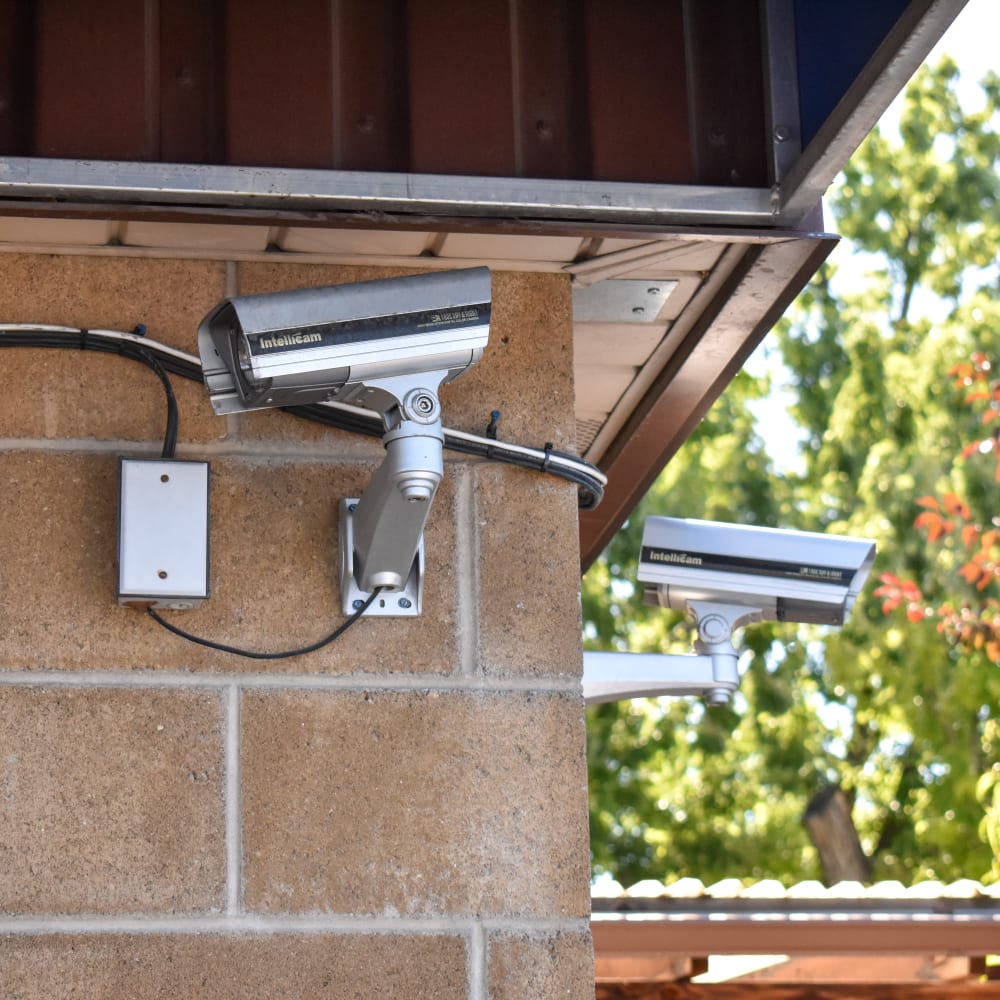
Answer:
(726, 86)
(17, 97)
(770, 895)
(190, 83)
(279, 83)
(90, 80)
(637, 91)
(595, 90)
(371, 115)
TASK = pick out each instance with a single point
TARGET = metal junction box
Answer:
(163, 534)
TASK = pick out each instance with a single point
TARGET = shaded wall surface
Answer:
(402, 814)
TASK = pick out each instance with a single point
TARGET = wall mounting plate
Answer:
(403, 603)
(621, 300)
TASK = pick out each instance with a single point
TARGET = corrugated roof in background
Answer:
(770, 895)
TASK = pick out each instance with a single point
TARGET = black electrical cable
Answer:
(170, 434)
(254, 655)
(590, 485)
(88, 340)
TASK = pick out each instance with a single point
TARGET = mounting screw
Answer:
(404, 602)
(162, 574)
(638, 310)
(358, 605)
(782, 133)
(164, 478)
(352, 507)
(421, 405)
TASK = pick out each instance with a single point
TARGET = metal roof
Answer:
(735, 917)
(655, 934)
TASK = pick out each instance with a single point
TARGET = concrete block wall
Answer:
(402, 814)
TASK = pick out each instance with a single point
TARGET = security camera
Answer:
(795, 576)
(307, 345)
(726, 576)
(386, 346)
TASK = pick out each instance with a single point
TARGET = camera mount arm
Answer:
(711, 672)
(381, 534)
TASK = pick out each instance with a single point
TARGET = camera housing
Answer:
(795, 576)
(308, 345)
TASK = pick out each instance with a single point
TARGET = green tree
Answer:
(904, 722)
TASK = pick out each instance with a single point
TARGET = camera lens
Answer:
(243, 355)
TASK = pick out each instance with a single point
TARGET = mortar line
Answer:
(478, 962)
(547, 925)
(286, 682)
(234, 803)
(276, 452)
(467, 547)
(243, 924)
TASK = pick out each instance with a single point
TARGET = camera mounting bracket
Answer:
(711, 671)
(381, 534)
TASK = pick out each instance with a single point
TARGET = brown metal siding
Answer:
(637, 91)
(581, 89)
(90, 80)
(279, 83)
(17, 92)
(371, 114)
(191, 128)
(726, 91)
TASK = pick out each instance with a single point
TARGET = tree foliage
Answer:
(905, 722)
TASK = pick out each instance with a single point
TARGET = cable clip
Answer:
(491, 430)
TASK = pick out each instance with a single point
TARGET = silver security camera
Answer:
(312, 344)
(795, 576)
(386, 346)
(726, 576)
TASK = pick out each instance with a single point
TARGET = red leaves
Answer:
(954, 506)
(970, 535)
(934, 524)
(975, 623)
(898, 592)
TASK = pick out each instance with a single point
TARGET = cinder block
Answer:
(82, 394)
(415, 803)
(539, 966)
(230, 967)
(112, 801)
(274, 558)
(529, 571)
(526, 372)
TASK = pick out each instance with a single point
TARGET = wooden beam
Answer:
(838, 934)
(797, 991)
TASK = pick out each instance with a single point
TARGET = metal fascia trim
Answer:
(324, 190)
(895, 61)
